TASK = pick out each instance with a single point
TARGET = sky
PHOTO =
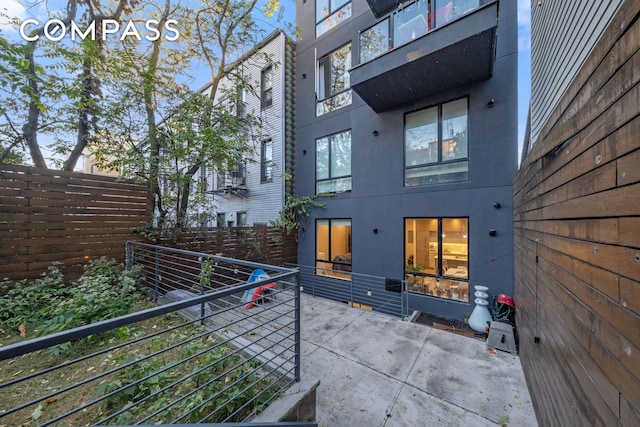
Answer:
(524, 67)
(14, 8)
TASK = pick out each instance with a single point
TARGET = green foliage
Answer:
(104, 291)
(221, 381)
(255, 251)
(206, 271)
(295, 213)
(30, 303)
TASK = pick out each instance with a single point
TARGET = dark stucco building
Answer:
(406, 129)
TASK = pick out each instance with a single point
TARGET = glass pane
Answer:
(410, 23)
(340, 64)
(267, 79)
(322, 158)
(322, 239)
(421, 245)
(437, 174)
(335, 102)
(267, 158)
(322, 10)
(374, 41)
(339, 185)
(341, 154)
(421, 137)
(454, 130)
(455, 248)
(443, 11)
(326, 19)
(341, 242)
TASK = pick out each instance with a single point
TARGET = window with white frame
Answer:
(242, 219)
(333, 163)
(330, 13)
(333, 80)
(266, 161)
(436, 144)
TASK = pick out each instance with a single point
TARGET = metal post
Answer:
(156, 276)
(403, 313)
(202, 280)
(129, 255)
(298, 335)
(351, 290)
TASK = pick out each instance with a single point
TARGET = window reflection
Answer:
(437, 257)
(436, 144)
(333, 163)
(410, 22)
(330, 13)
(334, 82)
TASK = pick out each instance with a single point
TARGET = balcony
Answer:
(417, 52)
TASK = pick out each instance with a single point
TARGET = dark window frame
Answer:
(336, 265)
(439, 274)
(440, 135)
(266, 92)
(339, 15)
(331, 177)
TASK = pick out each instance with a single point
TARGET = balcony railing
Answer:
(202, 356)
(411, 22)
(328, 280)
(419, 51)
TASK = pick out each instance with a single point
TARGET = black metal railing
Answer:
(222, 345)
(365, 291)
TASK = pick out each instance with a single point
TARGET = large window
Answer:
(266, 161)
(436, 144)
(333, 248)
(333, 163)
(266, 87)
(437, 257)
(330, 13)
(334, 85)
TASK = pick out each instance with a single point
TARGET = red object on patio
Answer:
(258, 293)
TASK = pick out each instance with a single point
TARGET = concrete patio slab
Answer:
(380, 371)
(394, 355)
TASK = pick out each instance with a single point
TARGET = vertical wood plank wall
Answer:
(50, 215)
(577, 239)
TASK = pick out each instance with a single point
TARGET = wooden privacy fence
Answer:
(50, 215)
(259, 244)
(577, 234)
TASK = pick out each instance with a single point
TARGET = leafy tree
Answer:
(41, 94)
(127, 100)
(180, 132)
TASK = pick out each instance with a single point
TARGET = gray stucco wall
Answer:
(379, 199)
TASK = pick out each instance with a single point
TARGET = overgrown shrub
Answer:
(104, 290)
